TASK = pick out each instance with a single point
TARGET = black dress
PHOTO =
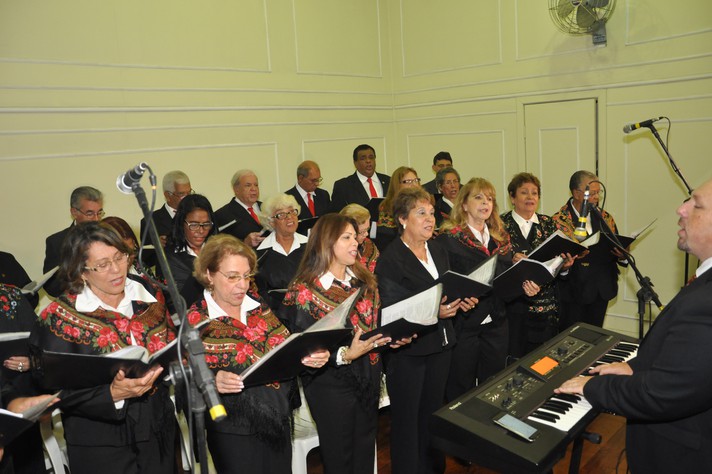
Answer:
(275, 271)
(417, 373)
(532, 320)
(481, 349)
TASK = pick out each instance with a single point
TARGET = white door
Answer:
(560, 138)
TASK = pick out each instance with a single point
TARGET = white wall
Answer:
(89, 89)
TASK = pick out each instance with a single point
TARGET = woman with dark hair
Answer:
(403, 177)
(343, 396)
(129, 424)
(255, 438)
(416, 375)
(532, 320)
(193, 224)
(127, 235)
(281, 251)
(447, 181)
(367, 251)
(474, 233)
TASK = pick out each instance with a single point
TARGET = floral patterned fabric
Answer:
(104, 331)
(230, 345)
(369, 254)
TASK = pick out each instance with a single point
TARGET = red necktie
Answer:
(371, 188)
(254, 216)
(310, 203)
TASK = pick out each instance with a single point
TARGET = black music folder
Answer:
(76, 371)
(409, 316)
(285, 360)
(14, 344)
(508, 284)
(14, 424)
(476, 284)
(556, 244)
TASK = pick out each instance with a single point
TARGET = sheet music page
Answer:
(338, 317)
(12, 336)
(421, 308)
(485, 272)
(554, 265)
(34, 286)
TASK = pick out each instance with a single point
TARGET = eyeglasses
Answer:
(181, 195)
(234, 277)
(91, 214)
(411, 181)
(284, 215)
(105, 265)
(199, 225)
(317, 180)
(451, 182)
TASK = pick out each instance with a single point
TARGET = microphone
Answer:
(635, 126)
(126, 181)
(580, 233)
(202, 375)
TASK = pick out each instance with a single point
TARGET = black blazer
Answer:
(244, 224)
(350, 190)
(322, 205)
(668, 399)
(432, 188)
(593, 276)
(401, 275)
(53, 246)
(163, 221)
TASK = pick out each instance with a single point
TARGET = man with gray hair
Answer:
(86, 204)
(314, 201)
(176, 186)
(239, 217)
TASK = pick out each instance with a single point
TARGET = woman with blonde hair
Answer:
(367, 250)
(474, 233)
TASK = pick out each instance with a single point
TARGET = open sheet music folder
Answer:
(285, 360)
(409, 316)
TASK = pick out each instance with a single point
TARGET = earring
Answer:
(405, 224)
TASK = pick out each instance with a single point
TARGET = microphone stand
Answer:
(646, 292)
(677, 171)
(196, 375)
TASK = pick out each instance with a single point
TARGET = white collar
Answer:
(483, 236)
(254, 207)
(522, 221)
(363, 178)
(215, 311)
(327, 279)
(448, 202)
(88, 302)
(303, 193)
(191, 252)
(271, 242)
(704, 266)
(170, 210)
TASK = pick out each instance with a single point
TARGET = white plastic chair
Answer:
(54, 445)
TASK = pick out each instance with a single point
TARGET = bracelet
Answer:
(341, 356)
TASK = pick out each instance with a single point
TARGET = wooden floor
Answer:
(596, 459)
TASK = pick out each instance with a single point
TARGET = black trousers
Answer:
(245, 454)
(416, 387)
(347, 429)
